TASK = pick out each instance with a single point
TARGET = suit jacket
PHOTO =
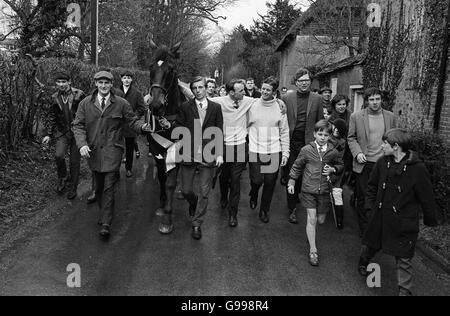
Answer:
(103, 131)
(313, 115)
(256, 94)
(358, 134)
(54, 120)
(189, 118)
(136, 100)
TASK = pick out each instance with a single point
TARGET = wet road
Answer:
(252, 260)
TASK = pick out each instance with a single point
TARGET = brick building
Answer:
(9, 43)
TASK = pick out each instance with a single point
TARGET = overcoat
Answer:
(136, 100)
(54, 121)
(103, 131)
(396, 193)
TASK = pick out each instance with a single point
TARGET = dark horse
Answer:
(167, 98)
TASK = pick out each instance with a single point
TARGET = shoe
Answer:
(253, 203)
(72, 194)
(293, 217)
(264, 217)
(233, 222)
(105, 231)
(138, 154)
(223, 204)
(193, 207)
(129, 174)
(196, 233)
(61, 186)
(314, 259)
(92, 198)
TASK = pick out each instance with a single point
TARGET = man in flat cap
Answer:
(58, 120)
(99, 133)
(136, 100)
(327, 95)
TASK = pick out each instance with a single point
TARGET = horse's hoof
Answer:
(160, 212)
(165, 229)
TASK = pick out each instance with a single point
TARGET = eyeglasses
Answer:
(304, 81)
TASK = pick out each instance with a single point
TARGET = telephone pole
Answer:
(94, 32)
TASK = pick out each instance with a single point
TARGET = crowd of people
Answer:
(314, 140)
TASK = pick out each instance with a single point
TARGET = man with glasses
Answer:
(304, 110)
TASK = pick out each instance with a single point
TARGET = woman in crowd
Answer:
(269, 144)
(339, 106)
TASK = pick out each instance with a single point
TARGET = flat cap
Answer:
(62, 75)
(104, 75)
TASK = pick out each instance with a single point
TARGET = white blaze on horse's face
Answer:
(160, 63)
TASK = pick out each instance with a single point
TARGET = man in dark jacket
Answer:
(136, 100)
(250, 89)
(200, 117)
(399, 187)
(58, 123)
(304, 110)
(99, 133)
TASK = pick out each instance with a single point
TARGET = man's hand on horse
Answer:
(219, 161)
(165, 124)
(84, 151)
(147, 128)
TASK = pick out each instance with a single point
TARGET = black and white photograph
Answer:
(225, 156)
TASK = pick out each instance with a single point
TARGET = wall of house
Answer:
(306, 51)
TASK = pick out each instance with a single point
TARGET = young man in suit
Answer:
(200, 117)
(304, 110)
(58, 124)
(136, 100)
(365, 139)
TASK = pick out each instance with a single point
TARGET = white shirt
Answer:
(202, 109)
(100, 98)
(235, 120)
(125, 89)
(324, 148)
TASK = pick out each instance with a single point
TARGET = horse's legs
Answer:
(166, 225)
(162, 177)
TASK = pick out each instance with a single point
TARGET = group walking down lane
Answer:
(247, 138)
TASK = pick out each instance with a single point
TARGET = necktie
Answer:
(236, 104)
(103, 103)
(321, 152)
(201, 105)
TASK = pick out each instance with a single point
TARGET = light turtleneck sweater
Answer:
(268, 128)
(377, 129)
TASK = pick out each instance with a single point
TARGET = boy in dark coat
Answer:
(398, 189)
(317, 162)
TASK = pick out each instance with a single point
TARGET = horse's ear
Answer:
(175, 48)
(153, 45)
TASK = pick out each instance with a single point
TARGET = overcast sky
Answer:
(243, 12)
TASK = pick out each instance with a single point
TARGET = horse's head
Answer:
(163, 77)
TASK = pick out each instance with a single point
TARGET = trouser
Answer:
(130, 145)
(106, 187)
(63, 144)
(236, 158)
(362, 181)
(205, 175)
(403, 266)
(293, 199)
(266, 179)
